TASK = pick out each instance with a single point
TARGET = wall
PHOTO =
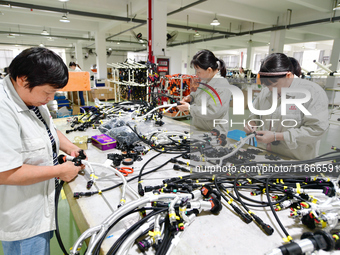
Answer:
(176, 61)
(91, 60)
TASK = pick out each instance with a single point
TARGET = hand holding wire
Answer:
(265, 136)
(184, 106)
(250, 127)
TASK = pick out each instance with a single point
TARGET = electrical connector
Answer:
(89, 184)
(265, 227)
(82, 194)
(140, 189)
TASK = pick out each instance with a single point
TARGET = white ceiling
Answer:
(235, 16)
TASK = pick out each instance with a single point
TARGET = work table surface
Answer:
(224, 233)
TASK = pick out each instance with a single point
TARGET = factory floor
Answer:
(70, 232)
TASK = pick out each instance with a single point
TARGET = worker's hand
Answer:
(68, 171)
(250, 128)
(183, 107)
(265, 136)
(75, 153)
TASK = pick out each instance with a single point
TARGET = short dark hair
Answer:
(40, 66)
(72, 64)
(275, 63)
(205, 59)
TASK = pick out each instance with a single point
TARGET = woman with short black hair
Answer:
(29, 147)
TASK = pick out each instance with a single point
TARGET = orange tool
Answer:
(125, 170)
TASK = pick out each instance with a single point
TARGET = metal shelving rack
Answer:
(132, 67)
(178, 114)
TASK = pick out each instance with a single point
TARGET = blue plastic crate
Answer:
(63, 102)
(237, 134)
(59, 97)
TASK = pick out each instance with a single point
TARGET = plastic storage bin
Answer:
(236, 134)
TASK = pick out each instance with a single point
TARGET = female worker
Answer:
(295, 135)
(209, 99)
(29, 149)
(75, 67)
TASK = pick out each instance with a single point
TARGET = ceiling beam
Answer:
(74, 12)
(186, 7)
(320, 30)
(322, 6)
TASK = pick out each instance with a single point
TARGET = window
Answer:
(6, 57)
(231, 61)
(257, 64)
(298, 56)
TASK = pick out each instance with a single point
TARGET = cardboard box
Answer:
(89, 94)
(111, 93)
(109, 72)
(100, 93)
(76, 109)
(81, 141)
(103, 93)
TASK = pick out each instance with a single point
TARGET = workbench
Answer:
(219, 234)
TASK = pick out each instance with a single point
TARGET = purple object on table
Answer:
(103, 142)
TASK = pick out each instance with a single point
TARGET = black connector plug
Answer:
(140, 190)
(176, 167)
(143, 245)
(265, 227)
(173, 160)
(89, 184)
(244, 216)
(82, 194)
(216, 205)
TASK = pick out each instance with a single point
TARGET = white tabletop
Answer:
(221, 234)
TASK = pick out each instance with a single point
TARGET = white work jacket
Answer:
(302, 141)
(25, 211)
(214, 110)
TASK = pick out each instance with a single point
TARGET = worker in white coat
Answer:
(296, 134)
(76, 68)
(209, 99)
(29, 148)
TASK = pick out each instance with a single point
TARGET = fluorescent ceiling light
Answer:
(64, 19)
(50, 39)
(197, 34)
(63, 0)
(41, 45)
(215, 22)
(44, 32)
(118, 42)
(337, 7)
